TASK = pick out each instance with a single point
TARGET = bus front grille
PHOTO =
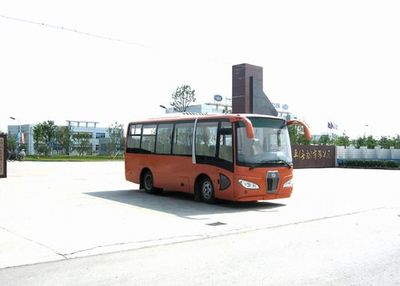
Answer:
(272, 181)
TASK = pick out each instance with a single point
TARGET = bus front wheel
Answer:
(207, 191)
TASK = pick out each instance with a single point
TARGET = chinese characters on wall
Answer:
(310, 156)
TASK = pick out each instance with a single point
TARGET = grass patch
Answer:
(66, 158)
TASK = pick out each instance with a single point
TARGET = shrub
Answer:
(373, 164)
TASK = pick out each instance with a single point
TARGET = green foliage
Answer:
(182, 98)
(325, 140)
(42, 149)
(396, 142)
(82, 143)
(68, 158)
(343, 140)
(369, 141)
(44, 135)
(117, 140)
(387, 142)
(63, 139)
(49, 133)
(297, 136)
(373, 164)
(12, 142)
(37, 137)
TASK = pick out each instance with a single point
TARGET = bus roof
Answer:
(191, 116)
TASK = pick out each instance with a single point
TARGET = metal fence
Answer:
(352, 153)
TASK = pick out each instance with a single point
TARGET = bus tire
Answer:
(207, 191)
(148, 183)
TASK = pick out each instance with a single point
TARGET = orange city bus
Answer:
(237, 157)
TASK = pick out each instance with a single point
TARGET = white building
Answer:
(76, 126)
(91, 128)
(27, 130)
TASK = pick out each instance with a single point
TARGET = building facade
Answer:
(27, 131)
(89, 127)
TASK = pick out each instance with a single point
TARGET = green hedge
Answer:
(373, 164)
(66, 158)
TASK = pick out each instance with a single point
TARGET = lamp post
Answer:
(163, 107)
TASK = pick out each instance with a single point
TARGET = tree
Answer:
(385, 142)
(343, 140)
(369, 141)
(325, 140)
(396, 142)
(44, 136)
(297, 136)
(116, 133)
(12, 143)
(63, 139)
(38, 138)
(182, 98)
(82, 142)
(49, 134)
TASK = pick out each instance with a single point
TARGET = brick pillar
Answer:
(247, 91)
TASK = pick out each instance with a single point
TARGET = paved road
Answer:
(355, 249)
(341, 227)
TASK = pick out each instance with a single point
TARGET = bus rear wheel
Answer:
(148, 183)
(207, 191)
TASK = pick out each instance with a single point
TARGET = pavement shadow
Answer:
(182, 204)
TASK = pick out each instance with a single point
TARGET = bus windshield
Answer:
(270, 145)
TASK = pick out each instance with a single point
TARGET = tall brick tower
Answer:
(247, 91)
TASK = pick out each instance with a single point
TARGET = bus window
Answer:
(270, 143)
(164, 133)
(149, 138)
(183, 139)
(134, 135)
(206, 138)
(225, 142)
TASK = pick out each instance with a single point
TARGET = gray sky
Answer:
(328, 60)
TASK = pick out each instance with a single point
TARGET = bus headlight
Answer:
(249, 185)
(288, 184)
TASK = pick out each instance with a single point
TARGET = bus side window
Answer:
(183, 139)
(164, 133)
(149, 137)
(225, 142)
(206, 138)
(135, 132)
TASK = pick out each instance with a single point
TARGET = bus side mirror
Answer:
(247, 123)
(306, 129)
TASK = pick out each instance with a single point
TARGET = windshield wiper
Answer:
(252, 166)
(263, 163)
(280, 162)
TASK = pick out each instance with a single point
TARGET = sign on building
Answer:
(3, 156)
(313, 156)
